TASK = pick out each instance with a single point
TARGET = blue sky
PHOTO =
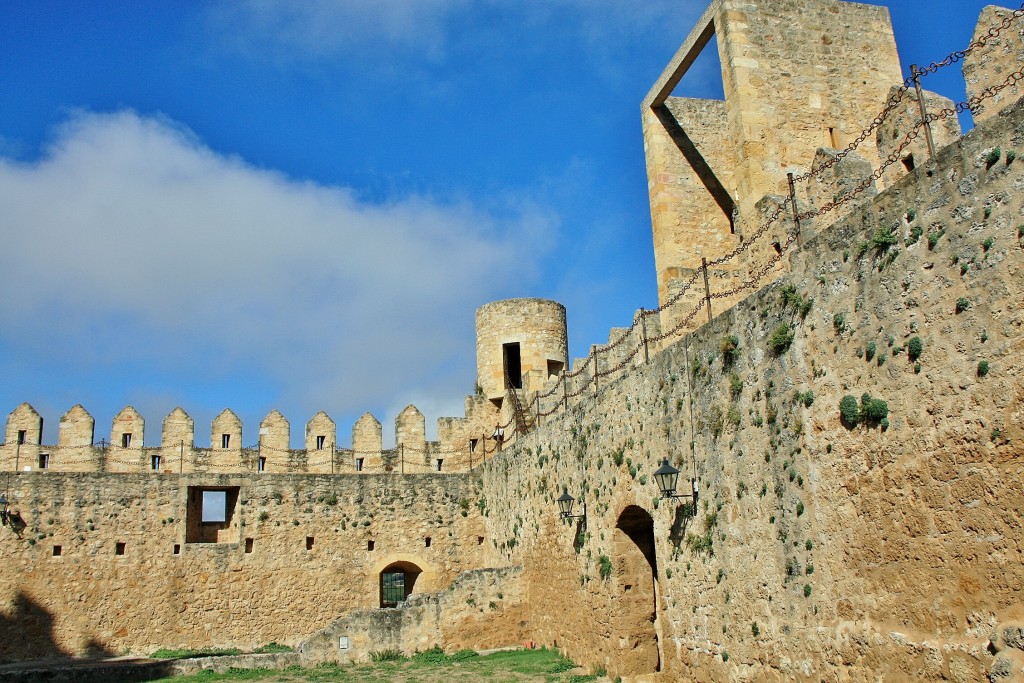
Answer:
(300, 204)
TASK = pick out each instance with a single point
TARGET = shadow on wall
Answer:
(29, 627)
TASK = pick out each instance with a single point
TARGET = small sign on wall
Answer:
(343, 643)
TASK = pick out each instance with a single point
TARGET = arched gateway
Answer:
(636, 571)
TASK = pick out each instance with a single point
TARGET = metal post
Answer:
(643, 335)
(796, 213)
(707, 286)
(565, 390)
(924, 111)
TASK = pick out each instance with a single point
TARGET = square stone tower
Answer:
(798, 75)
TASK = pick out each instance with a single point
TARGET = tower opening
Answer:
(513, 365)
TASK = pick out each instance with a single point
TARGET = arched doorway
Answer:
(396, 583)
(636, 570)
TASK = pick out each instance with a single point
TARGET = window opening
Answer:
(57, 551)
(369, 545)
(440, 461)
(155, 462)
(210, 515)
(426, 542)
(225, 440)
(309, 542)
(320, 442)
(513, 364)
(359, 464)
(126, 440)
(261, 464)
(554, 368)
(479, 540)
(21, 436)
(248, 545)
(119, 548)
(177, 549)
(472, 445)
(44, 461)
(832, 138)
(908, 162)
(215, 505)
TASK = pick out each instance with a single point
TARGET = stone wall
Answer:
(819, 550)
(102, 563)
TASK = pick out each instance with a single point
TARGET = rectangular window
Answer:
(472, 445)
(225, 440)
(119, 548)
(248, 545)
(215, 507)
(21, 436)
(177, 549)
(44, 461)
(261, 465)
(210, 516)
(369, 546)
(309, 542)
(426, 542)
(440, 461)
(320, 442)
(57, 551)
(126, 440)
(155, 462)
(359, 464)
(513, 364)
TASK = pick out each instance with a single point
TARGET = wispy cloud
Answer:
(384, 32)
(131, 242)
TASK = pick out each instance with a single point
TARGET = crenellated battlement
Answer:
(462, 444)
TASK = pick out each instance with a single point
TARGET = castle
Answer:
(816, 244)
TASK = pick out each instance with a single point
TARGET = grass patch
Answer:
(432, 666)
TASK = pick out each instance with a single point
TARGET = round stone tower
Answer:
(526, 337)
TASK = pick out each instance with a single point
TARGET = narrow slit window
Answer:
(57, 551)
(225, 440)
(472, 445)
(44, 461)
(119, 548)
(832, 138)
(309, 542)
(261, 464)
(155, 463)
(126, 440)
(359, 464)
(248, 545)
(426, 542)
(320, 442)
(908, 162)
(177, 549)
(21, 436)
(369, 546)
(440, 462)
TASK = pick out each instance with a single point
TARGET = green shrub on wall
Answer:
(849, 411)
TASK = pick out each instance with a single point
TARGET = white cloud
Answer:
(130, 241)
(383, 32)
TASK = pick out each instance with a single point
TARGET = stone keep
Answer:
(525, 336)
(790, 87)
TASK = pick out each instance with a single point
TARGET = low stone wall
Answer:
(482, 609)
